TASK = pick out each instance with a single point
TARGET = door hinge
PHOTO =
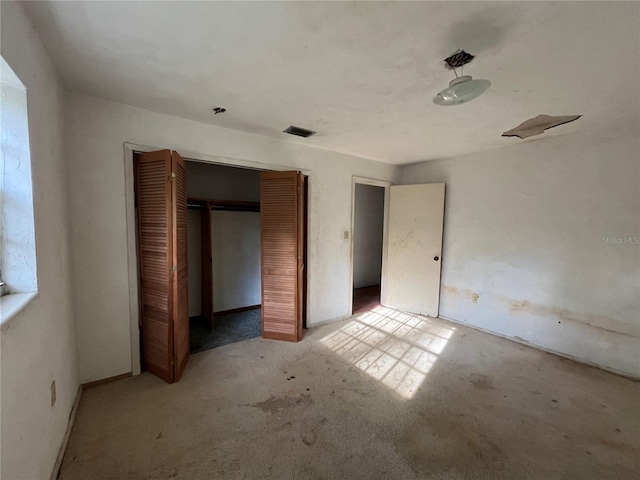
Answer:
(173, 269)
(172, 176)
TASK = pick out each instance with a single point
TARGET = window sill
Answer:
(11, 305)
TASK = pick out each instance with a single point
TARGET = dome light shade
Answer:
(461, 90)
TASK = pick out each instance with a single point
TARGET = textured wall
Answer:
(95, 133)
(38, 346)
(530, 249)
(17, 247)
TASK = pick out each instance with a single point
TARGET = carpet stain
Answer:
(622, 447)
(436, 444)
(276, 405)
(481, 382)
(310, 437)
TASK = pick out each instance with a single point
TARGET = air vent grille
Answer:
(300, 132)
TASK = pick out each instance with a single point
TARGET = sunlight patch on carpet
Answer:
(394, 347)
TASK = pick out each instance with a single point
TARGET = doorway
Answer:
(157, 216)
(367, 241)
(225, 296)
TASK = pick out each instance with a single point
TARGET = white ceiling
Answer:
(362, 74)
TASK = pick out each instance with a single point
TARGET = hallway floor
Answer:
(381, 394)
(365, 299)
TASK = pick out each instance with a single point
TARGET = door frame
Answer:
(132, 254)
(385, 231)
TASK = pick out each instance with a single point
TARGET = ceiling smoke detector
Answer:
(461, 89)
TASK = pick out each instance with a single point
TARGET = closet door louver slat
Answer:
(282, 220)
(154, 226)
(161, 222)
(180, 285)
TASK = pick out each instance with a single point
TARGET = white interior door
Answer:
(416, 215)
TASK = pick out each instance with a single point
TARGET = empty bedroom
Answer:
(319, 240)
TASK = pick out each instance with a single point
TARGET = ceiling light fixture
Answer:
(462, 89)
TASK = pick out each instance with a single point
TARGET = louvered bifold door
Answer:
(155, 260)
(161, 222)
(282, 223)
(179, 277)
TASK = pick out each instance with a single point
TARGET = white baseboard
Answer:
(526, 343)
(67, 434)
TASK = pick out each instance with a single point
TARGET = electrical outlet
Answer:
(53, 393)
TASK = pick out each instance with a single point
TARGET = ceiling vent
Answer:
(300, 132)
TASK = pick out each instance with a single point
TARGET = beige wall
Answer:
(526, 249)
(96, 131)
(236, 260)
(39, 345)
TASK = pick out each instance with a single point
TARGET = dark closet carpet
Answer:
(229, 328)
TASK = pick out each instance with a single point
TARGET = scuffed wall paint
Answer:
(529, 250)
(95, 133)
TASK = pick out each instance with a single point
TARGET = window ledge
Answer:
(11, 305)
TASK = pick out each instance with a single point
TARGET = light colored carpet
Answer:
(382, 395)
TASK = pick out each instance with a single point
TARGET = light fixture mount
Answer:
(458, 59)
(461, 89)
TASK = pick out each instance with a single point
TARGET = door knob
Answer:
(436, 258)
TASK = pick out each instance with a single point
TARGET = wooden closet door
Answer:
(161, 209)
(282, 251)
(153, 196)
(180, 277)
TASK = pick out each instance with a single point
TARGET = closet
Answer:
(161, 241)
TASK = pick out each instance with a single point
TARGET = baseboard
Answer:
(105, 380)
(545, 349)
(65, 440)
(237, 310)
(329, 320)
